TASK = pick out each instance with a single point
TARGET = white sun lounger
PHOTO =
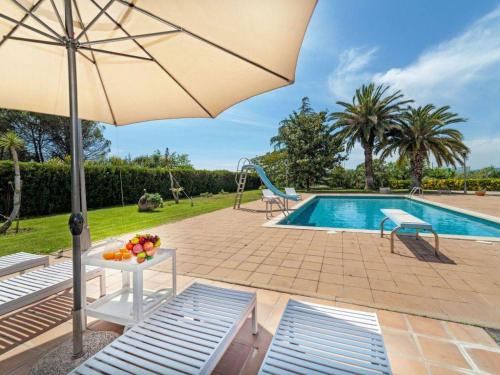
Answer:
(404, 220)
(292, 191)
(33, 286)
(315, 339)
(20, 262)
(187, 335)
(270, 198)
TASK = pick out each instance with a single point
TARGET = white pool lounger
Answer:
(315, 339)
(33, 286)
(404, 220)
(186, 335)
(20, 262)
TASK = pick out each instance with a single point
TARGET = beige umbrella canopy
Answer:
(125, 61)
(189, 58)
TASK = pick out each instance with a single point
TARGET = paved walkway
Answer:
(415, 345)
(232, 246)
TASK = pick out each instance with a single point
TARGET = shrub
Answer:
(489, 184)
(149, 201)
(46, 187)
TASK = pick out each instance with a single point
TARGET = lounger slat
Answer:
(30, 287)
(21, 261)
(151, 343)
(188, 334)
(148, 359)
(326, 340)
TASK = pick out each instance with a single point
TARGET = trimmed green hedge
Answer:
(490, 184)
(46, 187)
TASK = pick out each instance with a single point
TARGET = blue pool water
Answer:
(364, 213)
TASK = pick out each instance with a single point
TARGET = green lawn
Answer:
(50, 233)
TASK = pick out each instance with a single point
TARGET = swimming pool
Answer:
(363, 213)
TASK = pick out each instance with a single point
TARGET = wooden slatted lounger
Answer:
(20, 262)
(33, 286)
(404, 220)
(315, 339)
(186, 335)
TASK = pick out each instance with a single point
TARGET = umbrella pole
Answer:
(76, 221)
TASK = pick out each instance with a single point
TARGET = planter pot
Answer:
(480, 193)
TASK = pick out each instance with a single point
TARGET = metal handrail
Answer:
(238, 170)
(415, 190)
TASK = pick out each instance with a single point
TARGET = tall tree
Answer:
(424, 132)
(311, 148)
(372, 113)
(48, 136)
(11, 143)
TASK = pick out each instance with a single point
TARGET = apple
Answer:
(130, 246)
(137, 249)
(141, 257)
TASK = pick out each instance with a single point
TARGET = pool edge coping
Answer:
(273, 223)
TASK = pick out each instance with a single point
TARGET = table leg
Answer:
(137, 296)
(125, 279)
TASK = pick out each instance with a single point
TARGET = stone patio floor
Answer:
(415, 345)
(463, 285)
(354, 270)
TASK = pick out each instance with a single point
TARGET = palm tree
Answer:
(423, 133)
(12, 143)
(367, 119)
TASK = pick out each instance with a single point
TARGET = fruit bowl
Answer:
(143, 246)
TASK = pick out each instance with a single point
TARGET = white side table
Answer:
(128, 305)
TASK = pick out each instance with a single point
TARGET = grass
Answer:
(50, 233)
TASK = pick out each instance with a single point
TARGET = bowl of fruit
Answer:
(143, 246)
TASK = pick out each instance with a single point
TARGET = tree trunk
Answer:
(369, 179)
(17, 193)
(175, 194)
(417, 168)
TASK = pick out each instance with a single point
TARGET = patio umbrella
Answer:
(125, 61)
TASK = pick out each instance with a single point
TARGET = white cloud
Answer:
(484, 152)
(350, 72)
(448, 69)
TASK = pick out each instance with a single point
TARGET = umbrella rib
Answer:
(123, 38)
(58, 17)
(196, 36)
(116, 53)
(156, 62)
(89, 25)
(31, 13)
(94, 61)
(20, 23)
(38, 41)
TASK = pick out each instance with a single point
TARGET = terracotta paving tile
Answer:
(442, 352)
(331, 278)
(272, 261)
(392, 320)
(290, 263)
(406, 366)
(385, 285)
(289, 272)
(361, 282)
(486, 360)
(358, 294)
(305, 285)
(307, 265)
(281, 281)
(308, 275)
(202, 269)
(259, 278)
(330, 268)
(401, 343)
(429, 327)
(220, 272)
(330, 290)
(264, 268)
(239, 275)
(470, 334)
(246, 266)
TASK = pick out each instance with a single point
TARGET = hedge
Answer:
(46, 187)
(489, 184)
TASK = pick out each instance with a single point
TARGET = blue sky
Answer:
(441, 52)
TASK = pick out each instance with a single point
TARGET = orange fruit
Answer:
(126, 255)
(118, 255)
(108, 255)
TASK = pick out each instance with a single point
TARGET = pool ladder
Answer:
(416, 190)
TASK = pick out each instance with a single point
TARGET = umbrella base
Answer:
(60, 361)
